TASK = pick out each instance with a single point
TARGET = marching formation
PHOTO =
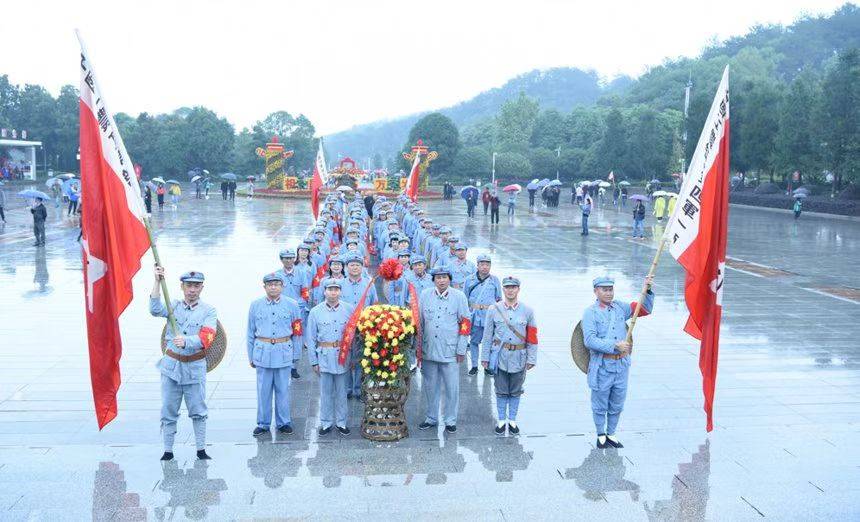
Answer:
(465, 314)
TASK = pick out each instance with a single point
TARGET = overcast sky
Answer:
(342, 63)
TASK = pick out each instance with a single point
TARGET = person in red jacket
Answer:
(485, 198)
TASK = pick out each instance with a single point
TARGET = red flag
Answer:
(114, 238)
(412, 184)
(320, 275)
(697, 233)
(349, 329)
(416, 320)
(317, 181)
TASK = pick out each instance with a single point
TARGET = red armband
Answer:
(207, 336)
(642, 311)
(531, 334)
(305, 293)
(465, 326)
(297, 327)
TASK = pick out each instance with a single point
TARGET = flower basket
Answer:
(386, 334)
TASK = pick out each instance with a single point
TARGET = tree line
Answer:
(807, 122)
(167, 145)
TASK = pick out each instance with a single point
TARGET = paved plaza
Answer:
(787, 407)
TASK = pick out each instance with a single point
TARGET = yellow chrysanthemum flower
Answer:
(366, 369)
(384, 375)
(374, 355)
(394, 341)
(364, 363)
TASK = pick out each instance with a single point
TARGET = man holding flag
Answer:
(113, 236)
(320, 176)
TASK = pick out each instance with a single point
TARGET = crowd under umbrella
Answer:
(800, 195)
(67, 175)
(663, 194)
(533, 184)
(157, 180)
(512, 188)
(67, 185)
(638, 197)
(802, 190)
(543, 183)
(228, 176)
(53, 181)
(555, 183)
(173, 181)
(33, 194)
(624, 183)
(469, 191)
(196, 178)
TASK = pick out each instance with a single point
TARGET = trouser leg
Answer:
(326, 399)
(340, 402)
(600, 399)
(451, 379)
(264, 396)
(281, 380)
(195, 403)
(171, 399)
(513, 407)
(475, 344)
(430, 390)
(617, 396)
(502, 407)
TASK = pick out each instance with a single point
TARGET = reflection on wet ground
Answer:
(787, 407)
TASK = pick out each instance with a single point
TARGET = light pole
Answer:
(557, 160)
(494, 170)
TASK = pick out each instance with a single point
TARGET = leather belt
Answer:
(613, 356)
(509, 346)
(273, 340)
(480, 307)
(334, 344)
(186, 358)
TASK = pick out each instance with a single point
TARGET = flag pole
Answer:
(644, 292)
(170, 318)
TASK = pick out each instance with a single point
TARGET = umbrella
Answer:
(623, 183)
(655, 180)
(800, 190)
(596, 183)
(53, 181)
(638, 197)
(555, 183)
(67, 175)
(205, 171)
(801, 195)
(67, 185)
(174, 182)
(663, 193)
(157, 180)
(196, 178)
(33, 194)
(229, 176)
(533, 185)
(467, 190)
(345, 188)
(543, 183)
(251, 178)
(512, 188)
(604, 184)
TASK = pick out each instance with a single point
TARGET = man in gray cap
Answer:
(325, 329)
(510, 338)
(461, 268)
(297, 287)
(274, 333)
(446, 325)
(183, 366)
(352, 288)
(604, 331)
(483, 290)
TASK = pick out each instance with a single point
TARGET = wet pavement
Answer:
(787, 408)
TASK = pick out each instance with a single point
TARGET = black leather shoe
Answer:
(451, 429)
(343, 431)
(514, 430)
(500, 430)
(168, 455)
(324, 431)
(260, 431)
(286, 429)
(473, 371)
(295, 374)
(487, 371)
(201, 455)
(614, 443)
(426, 426)
(602, 445)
